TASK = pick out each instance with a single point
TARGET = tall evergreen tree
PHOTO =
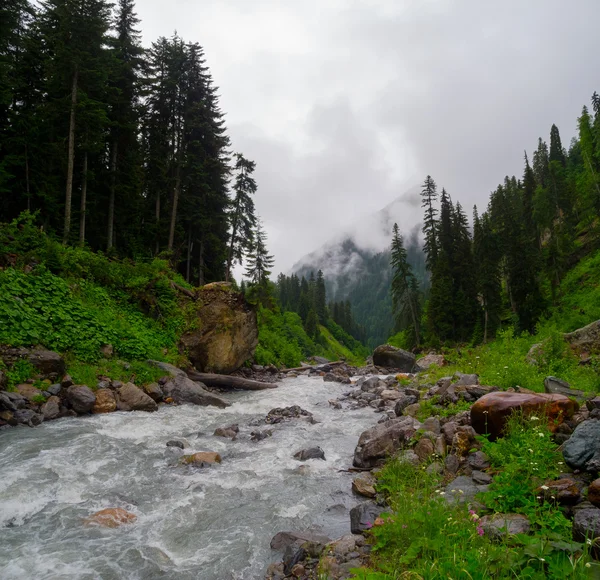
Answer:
(428, 198)
(259, 261)
(404, 288)
(241, 214)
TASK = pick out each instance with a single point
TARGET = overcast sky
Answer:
(346, 104)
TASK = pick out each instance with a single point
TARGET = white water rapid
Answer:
(192, 523)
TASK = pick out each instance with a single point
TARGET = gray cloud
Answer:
(345, 105)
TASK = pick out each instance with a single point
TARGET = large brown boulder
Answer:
(132, 398)
(490, 413)
(227, 333)
(394, 358)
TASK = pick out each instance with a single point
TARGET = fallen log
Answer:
(316, 367)
(229, 382)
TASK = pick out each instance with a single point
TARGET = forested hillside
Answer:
(118, 147)
(506, 270)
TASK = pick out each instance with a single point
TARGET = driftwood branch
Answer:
(183, 290)
(308, 367)
(229, 382)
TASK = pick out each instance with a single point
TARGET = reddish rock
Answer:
(490, 413)
(202, 458)
(594, 492)
(105, 402)
(111, 518)
(565, 491)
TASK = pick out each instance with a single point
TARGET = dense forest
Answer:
(507, 268)
(117, 147)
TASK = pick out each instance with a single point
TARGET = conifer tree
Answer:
(259, 260)
(320, 298)
(404, 288)
(241, 214)
(428, 197)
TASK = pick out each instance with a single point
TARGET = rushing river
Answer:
(211, 524)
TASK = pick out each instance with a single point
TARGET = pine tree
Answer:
(404, 288)
(241, 214)
(429, 196)
(259, 260)
(320, 298)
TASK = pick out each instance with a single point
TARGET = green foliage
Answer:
(19, 373)
(430, 408)
(429, 538)
(139, 372)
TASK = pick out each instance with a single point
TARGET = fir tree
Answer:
(259, 261)
(429, 196)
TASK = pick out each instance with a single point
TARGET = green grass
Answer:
(138, 372)
(427, 538)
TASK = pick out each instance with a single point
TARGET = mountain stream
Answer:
(211, 523)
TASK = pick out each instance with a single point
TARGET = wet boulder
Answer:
(131, 398)
(81, 398)
(182, 389)
(363, 516)
(582, 449)
(105, 402)
(51, 408)
(376, 444)
(202, 458)
(111, 518)
(229, 431)
(227, 335)
(490, 413)
(280, 414)
(260, 435)
(394, 358)
(311, 453)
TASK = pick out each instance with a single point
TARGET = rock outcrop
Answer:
(227, 332)
(183, 390)
(394, 358)
(47, 362)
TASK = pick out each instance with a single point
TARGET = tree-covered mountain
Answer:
(356, 266)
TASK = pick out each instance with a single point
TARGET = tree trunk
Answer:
(70, 158)
(83, 200)
(485, 324)
(157, 221)
(229, 382)
(230, 252)
(174, 208)
(27, 188)
(201, 264)
(110, 236)
(189, 255)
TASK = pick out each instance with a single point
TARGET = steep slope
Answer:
(355, 263)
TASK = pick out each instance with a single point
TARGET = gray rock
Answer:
(466, 379)
(498, 526)
(282, 540)
(132, 398)
(260, 435)
(371, 384)
(51, 408)
(175, 443)
(54, 389)
(28, 417)
(404, 402)
(480, 477)
(586, 523)
(311, 453)
(452, 464)
(363, 516)
(81, 398)
(382, 440)
(368, 396)
(463, 489)
(168, 368)
(557, 386)
(154, 391)
(391, 357)
(183, 390)
(478, 460)
(583, 444)
(7, 403)
(432, 424)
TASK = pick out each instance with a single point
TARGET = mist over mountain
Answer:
(356, 263)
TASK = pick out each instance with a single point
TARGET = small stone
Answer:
(452, 464)
(298, 570)
(111, 518)
(593, 494)
(480, 477)
(478, 460)
(424, 448)
(412, 410)
(432, 424)
(175, 443)
(363, 516)
(364, 485)
(51, 408)
(435, 468)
